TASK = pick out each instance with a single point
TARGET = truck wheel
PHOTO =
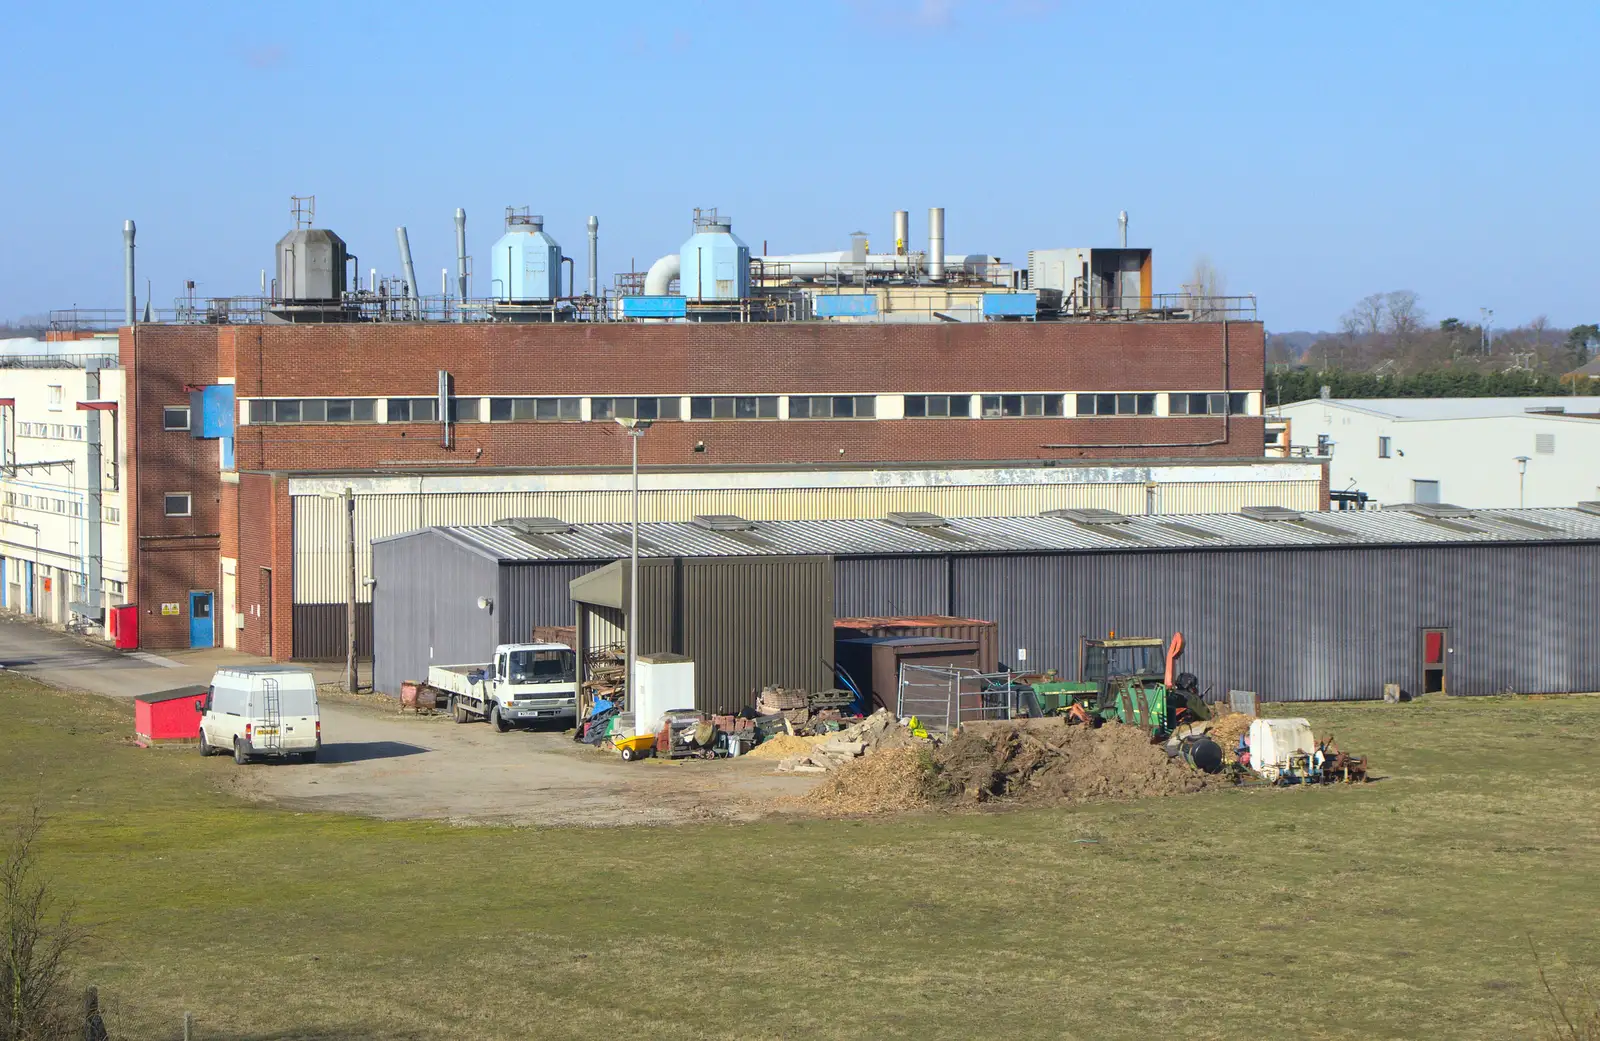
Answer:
(205, 746)
(461, 712)
(499, 721)
(239, 755)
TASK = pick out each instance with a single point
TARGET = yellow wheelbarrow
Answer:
(634, 746)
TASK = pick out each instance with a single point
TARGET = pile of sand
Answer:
(785, 746)
(1226, 730)
(888, 780)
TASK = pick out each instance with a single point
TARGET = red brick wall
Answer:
(229, 510)
(265, 543)
(171, 555)
(367, 360)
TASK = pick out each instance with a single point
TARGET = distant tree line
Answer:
(1286, 385)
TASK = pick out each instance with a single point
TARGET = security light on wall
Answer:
(485, 604)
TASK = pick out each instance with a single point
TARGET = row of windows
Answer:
(735, 407)
(50, 504)
(55, 431)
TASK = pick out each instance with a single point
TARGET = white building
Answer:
(1481, 452)
(50, 544)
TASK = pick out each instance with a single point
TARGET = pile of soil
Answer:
(1048, 761)
(886, 781)
(1028, 762)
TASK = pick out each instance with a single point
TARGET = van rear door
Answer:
(298, 713)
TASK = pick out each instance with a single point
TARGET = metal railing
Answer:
(58, 361)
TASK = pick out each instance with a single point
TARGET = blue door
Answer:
(200, 620)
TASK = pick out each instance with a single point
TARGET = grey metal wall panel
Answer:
(425, 608)
(879, 586)
(536, 594)
(319, 631)
(752, 622)
(1315, 624)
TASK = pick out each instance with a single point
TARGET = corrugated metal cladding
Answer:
(426, 608)
(752, 622)
(1308, 625)
(319, 631)
(527, 600)
(319, 529)
(891, 586)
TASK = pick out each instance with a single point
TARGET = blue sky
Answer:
(1314, 152)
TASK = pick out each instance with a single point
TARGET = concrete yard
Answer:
(379, 763)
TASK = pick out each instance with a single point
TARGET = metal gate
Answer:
(942, 697)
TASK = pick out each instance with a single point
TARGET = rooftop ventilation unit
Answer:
(724, 522)
(1087, 516)
(1590, 506)
(1270, 513)
(917, 520)
(536, 525)
(1434, 510)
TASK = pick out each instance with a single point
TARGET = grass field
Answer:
(1399, 910)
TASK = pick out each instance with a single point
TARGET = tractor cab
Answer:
(1099, 660)
(1129, 679)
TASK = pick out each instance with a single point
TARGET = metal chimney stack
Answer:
(461, 254)
(936, 242)
(902, 232)
(130, 305)
(594, 258)
(1122, 227)
(404, 241)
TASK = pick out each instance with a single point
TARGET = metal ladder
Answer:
(271, 717)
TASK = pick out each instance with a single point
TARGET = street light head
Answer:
(632, 425)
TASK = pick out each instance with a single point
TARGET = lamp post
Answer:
(1522, 479)
(635, 429)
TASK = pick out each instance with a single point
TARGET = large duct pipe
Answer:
(461, 253)
(404, 241)
(902, 232)
(594, 257)
(936, 242)
(661, 274)
(130, 305)
(1122, 228)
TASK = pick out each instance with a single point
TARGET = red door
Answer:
(1435, 650)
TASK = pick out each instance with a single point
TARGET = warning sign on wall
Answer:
(47, 585)
(171, 609)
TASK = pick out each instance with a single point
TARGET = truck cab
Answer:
(525, 683)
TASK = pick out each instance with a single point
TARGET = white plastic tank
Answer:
(1273, 741)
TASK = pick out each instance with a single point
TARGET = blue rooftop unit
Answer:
(526, 262)
(715, 265)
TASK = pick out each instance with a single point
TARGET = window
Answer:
(175, 417)
(634, 408)
(860, 406)
(1385, 448)
(936, 406)
(464, 410)
(413, 410)
(723, 407)
(53, 393)
(176, 504)
(111, 514)
(1544, 444)
(1117, 404)
(75, 433)
(1424, 491)
(1236, 404)
(549, 410)
(998, 405)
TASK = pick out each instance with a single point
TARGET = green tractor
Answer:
(1132, 683)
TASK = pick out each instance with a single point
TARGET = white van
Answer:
(261, 710)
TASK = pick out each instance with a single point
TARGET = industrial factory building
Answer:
(1293, 606)
(827, 386)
